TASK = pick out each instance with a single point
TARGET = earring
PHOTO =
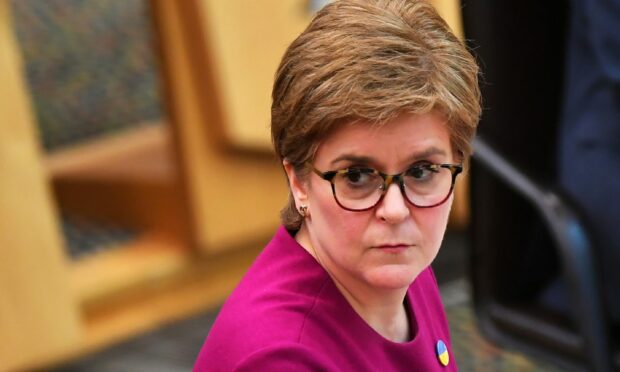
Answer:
(303, 210)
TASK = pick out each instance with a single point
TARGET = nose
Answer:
(393, 208)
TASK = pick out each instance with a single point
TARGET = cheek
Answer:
(432, 223)
(334, 226)
(345, 228)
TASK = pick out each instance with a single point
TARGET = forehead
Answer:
(391, 144)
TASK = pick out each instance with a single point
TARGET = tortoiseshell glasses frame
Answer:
(388, 179)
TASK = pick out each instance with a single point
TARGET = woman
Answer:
(374, 107)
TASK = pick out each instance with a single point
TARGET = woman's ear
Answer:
(298, 187)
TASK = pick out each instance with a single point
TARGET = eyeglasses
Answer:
(360, 188)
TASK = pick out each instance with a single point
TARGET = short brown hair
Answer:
(370, 61)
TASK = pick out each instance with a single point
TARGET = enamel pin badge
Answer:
(442, 353)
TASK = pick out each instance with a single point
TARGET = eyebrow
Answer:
(369, 160)
(354, 159)
(429, 152)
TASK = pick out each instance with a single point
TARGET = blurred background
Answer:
(125, 127)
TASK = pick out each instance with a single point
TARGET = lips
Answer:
(393, 248)
(397, 245)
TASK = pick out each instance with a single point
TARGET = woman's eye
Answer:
(357, 177)
(420, 172)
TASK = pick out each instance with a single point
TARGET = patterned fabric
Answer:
(84, 237)
(90, 66)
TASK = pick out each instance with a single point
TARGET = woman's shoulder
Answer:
(284, 278)
(267, 311)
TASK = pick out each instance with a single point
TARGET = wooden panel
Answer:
(246, 40)
(203, 284)
(132, 266)
(450, 10)
(128, 179)
(85, 157)
(38, 316)
(235, 197)
(189, 286)
(459, 216)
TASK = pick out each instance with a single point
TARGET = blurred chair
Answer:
(534, 273)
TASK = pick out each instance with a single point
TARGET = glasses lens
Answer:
(427, 185)
(358, 188)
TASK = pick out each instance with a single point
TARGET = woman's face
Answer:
(387, 246)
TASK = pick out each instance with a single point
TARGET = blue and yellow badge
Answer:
(442, 353)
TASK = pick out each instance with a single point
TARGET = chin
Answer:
(392, 276)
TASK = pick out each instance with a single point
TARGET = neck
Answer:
(383, 309)
(384, 312)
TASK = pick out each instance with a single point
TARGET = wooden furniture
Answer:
(38, 316)
(223, 209)
(176, 183)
